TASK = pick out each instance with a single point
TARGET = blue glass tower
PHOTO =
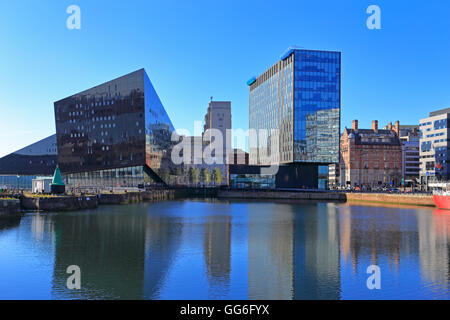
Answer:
(301, 97)
(317, 106)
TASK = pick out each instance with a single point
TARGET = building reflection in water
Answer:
(434, 248)
(270, 251)
(42, 226)
(217, 253)
(414, 243)
(316, 253)
(367, 233)
(162, 240)
(291, 251)
(9, 223)
(108, 248)
(121, 254)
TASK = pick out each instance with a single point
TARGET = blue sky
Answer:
(193, 50)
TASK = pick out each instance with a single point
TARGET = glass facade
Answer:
(252, 181)
(271, 107)
(300, 95)
(323, 177)
(317, 105)
(16, 182)
(158, 131)
(120, 177)
(118, 125)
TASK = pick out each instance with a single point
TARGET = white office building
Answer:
(434, 146)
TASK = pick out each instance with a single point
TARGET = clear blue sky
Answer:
(196, 49)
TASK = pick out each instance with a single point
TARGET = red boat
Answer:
(442, 200)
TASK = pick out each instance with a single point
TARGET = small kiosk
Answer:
(57, 186)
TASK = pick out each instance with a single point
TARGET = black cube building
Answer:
(116, 134)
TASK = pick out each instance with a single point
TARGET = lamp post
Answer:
(18, 177)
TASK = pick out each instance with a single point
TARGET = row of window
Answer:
(95, 104)
(105, 118)
(436, 135)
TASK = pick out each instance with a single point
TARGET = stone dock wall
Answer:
(68, 203)
(136, 197)
(273, 195)
(71, 203)
(63, 203)
(398, 199)
(9, 208)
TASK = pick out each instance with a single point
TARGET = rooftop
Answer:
(371, 137)
(439, 112)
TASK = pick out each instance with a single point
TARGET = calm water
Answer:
(228, 250)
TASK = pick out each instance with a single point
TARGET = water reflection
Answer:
(317, 267)
(162, 240)
(434, 239)
(9, 223)
(217, 253)
(228, 250)
(270, 251)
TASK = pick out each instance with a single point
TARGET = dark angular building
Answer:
(18, 169)
(300, 96)
(114, 134)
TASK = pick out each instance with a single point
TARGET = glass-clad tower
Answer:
(301, 97)
(114, 134)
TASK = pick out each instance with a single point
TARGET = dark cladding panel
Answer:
(103, 127)
(304, 176)
(39, 158)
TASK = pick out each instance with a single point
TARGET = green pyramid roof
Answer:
(57, 178)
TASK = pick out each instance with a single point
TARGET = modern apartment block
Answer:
(371, 157)
(434, 146)
(115, 134)
(300, 96)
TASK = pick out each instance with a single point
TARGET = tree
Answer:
(164, 174)
(217, 176)
(206, 176)
(178, 173)
(194, 174)
(191, 175)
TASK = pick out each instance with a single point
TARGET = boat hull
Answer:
(442, 202)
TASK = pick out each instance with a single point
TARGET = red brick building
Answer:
(371, 157)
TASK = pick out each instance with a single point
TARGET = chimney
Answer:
(375, 125)
(397, 128)
(389, 126)
(355, 125)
